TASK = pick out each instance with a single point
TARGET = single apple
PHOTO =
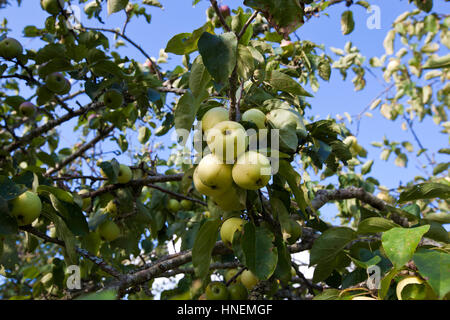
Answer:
(55, 82)
(214, 173)
(227, 140)
(173, 205)
(229, 200)
(215, 190)
(109, 231)
(214, 116)
(186, 204)
(27, 109)
(237, 291)
(248, 279)
(10, 48)
(256, 116)
(125, 174)
(230, 274)
(229, 227)
(113, 98)
(67, 88)
(224, 10)
(252, 171)
(86, 201)
(26, 208)
(52, 6)
(216, 291)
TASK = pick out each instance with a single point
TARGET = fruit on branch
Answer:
(109, 230)
(125, 174)
(214, 173)
(213, 116)
(252, 171)
(230, 274)
(237, 291)
(86, 201)
(229, 200)
(292, 232)
(52, 6)
(66, 88)
(284, 118)
(229, 227)
(227, 140)
(216, 291)
(256, 116)
(113, 98)
(10, 48)
(248, 279)
(111, 208)
(414, 288)
(26, 208)
(56, 82)
(186, 204)
(173, 205)
(204, 189)
(224, 10)
(27, 109)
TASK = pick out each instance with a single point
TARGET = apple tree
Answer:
(71, 110)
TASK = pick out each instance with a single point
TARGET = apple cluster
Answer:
(230, 166)
(236, 290)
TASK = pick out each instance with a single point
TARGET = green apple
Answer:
(55, 82)
(67, 88)
(109, 230)
(26, 208)
(256, 116)
(27, 109)
(414, 288)
(227, 140)
(111, 208)
(216, 291)
(229, 200)
(86, 201)
(186, 204)
(214, 173)
(292, 232)
(287, 118)
(113, 99)
(52, 6)
(125, 174)
(212, 191)
(214, 116)
(229, 227)
(173, 205)
(237, 291)
(248, 279)
(230, 274)
(252, 171)
(10, 48)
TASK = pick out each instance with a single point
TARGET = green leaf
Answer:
(154, 3)
(434, 266)
(427, 190)
(9, 190)
(437, 62)
(347, 22)
(260, 254)
(328, 294)
(199, 79)
(203, 246)
(386, 283)
(8, 225)
(245, 62)
(281, 81)
(329, 244)
(185, 112)
(399, 244)
(441, 167)
(58, 193)
(116, 5)
(107, 294)
(293, 179)
(185, 43)
(375, 225)
(219, 54)
(441, 217)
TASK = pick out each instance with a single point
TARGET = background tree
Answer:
(64, 206)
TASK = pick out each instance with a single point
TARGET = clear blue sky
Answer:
(334, 97)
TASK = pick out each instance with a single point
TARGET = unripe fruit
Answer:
(10, 48)
(113, 99)
(55, 82)
(109, 231)
(125, 174)
(52, 6)
(237, 291)
(186, 204)
(173, 205)
(227, 140)
(86, 201)
(248, 279)
(256, 116)
(27, 109)
(229, 227)
(214, 116)
(214, 173)
(230, 274)
(26, 208)
(252, 171)
(216, 291)
(204, 189)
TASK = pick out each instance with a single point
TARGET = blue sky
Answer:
(334, 97)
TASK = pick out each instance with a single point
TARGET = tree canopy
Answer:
(71, 110)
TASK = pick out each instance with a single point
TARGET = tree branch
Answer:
(219, 14)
